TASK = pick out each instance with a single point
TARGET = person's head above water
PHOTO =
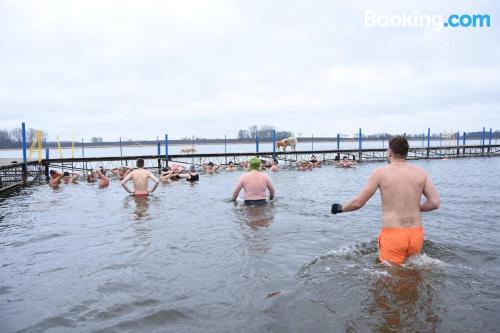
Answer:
(254, 163)
(275, 161)
(344, 158)
(140, 163)
(211, 164)
(192, 168)
(231, 163)
(66, 174)
(398, 148)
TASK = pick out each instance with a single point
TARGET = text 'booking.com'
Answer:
(436, 22)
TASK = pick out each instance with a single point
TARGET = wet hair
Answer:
(192, 168)
(52, 172)
(399, 146)
(66, 174)
(231, 162)
(140, 163)
(275, 161)
(211, 163)
(344, 158)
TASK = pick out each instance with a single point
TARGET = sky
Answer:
(140, 69)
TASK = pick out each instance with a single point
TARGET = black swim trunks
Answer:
(259, 202)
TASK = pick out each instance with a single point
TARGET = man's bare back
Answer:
(255, 184)
(140, 179)
(401, 187)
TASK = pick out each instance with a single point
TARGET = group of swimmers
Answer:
(401, 185)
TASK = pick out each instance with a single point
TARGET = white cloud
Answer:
(209, 68)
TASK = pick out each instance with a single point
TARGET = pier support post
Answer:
(274, 144)
(312, 142)
(360, 145)
(338, 141)
(458, 142)
(225, 148)
(47, 164)
(463, 143)
(158, 152)
(482, 140)
(166, 149)
(257, 143)
(428, 141)
(24, 167)
(489, 140)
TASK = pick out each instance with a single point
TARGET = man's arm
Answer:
(237, 189)
(360, 200)
(150, 175)
(270, 187)
(124, 183)
(75, 176)
(430, 192)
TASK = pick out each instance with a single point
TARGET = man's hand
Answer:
(336, 208)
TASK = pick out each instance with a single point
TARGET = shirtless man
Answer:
(101, 175)
(91, 176)
(345, 163)
(275, 167)
(70, 178)
(255, 183)
(121, 172)
(231, 167)
(210, 167)
(140, 179)
(401, 187)
(55, 178)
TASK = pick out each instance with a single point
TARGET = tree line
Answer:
(13, 138)
(264, 132)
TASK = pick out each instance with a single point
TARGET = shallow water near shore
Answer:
(186, 259)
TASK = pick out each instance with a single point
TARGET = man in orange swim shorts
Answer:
(140, 178)
(401, 188)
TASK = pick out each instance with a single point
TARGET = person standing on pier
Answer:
(140, 178)
(254, 182)
(401, 188)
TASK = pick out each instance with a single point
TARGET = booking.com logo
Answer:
(416, 20)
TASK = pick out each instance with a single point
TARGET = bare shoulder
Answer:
(417, 169)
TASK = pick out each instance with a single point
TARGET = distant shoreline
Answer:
(78, 144)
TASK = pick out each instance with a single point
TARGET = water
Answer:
(84, 259)
(137, 149)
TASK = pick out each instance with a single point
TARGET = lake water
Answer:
(136, 150)
(84, 259)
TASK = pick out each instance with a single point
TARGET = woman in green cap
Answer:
(254, 183)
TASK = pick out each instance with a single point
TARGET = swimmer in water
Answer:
(275, 167)
(70, 177)
(55, 178)
(211, 167)
(230, 166)
(315, 162)
(244, 165)
(140, 178)
(165, 175)
(91, 176)
(305, 165)
(254, 182)
(121, 172)
(345, 163)
(401, 187)
(192, 175)
(101, 175)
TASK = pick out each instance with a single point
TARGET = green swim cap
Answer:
(254, 163)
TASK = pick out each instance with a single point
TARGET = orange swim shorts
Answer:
(396, 244)
(141, 193)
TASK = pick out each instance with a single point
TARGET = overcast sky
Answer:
(138, 69)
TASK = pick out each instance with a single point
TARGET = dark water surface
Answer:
(84, 259)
